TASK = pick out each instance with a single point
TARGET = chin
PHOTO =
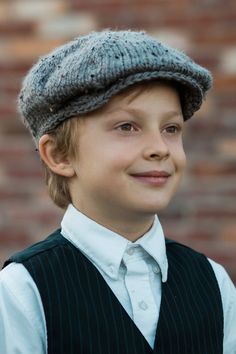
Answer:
(153, 208)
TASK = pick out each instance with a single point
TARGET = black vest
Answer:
(84, 316)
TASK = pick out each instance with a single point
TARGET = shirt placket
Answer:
(138, 285)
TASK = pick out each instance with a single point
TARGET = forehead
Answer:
(135, 96)
(136, 91)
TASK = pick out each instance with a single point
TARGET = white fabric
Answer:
(133, 271)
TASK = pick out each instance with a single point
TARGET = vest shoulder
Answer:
(180, 248)
(53, 240)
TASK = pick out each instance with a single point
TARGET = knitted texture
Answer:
(85, 73)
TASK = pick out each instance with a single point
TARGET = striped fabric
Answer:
(84, 316)
(191, 315)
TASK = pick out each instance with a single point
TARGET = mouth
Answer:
(157, 178)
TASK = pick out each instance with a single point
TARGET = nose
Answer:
(155, 147)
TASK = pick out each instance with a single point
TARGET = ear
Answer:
(57, 163)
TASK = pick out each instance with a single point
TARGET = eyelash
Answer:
(177, 128)
(125, 124)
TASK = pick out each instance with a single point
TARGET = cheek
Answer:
(179, 157)
(102, 165)
(182, 161)
(117, 158)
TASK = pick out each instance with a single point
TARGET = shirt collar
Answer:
(105, 248)
(153, 242)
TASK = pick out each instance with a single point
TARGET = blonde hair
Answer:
(65, 138)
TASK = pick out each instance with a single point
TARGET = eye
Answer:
(173, 129)
(126, 127)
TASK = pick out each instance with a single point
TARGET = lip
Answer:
(152, 174)
(155, 178)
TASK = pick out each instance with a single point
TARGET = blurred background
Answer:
(203, 213)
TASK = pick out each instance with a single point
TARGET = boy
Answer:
(106, 112)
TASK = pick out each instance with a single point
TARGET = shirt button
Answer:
(156, 269)
(112, 269)
(130, 251)
(143, 305)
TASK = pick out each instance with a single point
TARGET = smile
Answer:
(157, 178)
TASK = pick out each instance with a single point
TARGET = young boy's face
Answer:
(122, 150)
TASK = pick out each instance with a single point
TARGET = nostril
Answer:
(160, 155)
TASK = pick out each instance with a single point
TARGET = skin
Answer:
(137, 131)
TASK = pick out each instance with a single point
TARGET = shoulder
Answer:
(179, 249)
(188, 255)
(53, 241)
(227, 288)
(190, 263)
(21, 309)
(17, 286)
(228, 296)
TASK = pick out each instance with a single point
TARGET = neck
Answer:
(132, 227)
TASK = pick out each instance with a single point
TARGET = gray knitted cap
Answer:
(85, 73)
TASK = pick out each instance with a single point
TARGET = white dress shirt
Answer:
(133, 271)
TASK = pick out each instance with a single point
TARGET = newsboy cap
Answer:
(85, 73)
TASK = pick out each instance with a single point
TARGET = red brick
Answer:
(9, 86)
(229, 233)
(210, 212)
(13, 69)
(9, 194)
(12, 237)
(199, 20)
(214, 169)
(12, 28)
(6, 111)
(216, 36)
(223, 255)
(15, 149)
(226, 100)
(22, 172)
(20, 49)
(4, 11)
(225, 82)
(227, 146)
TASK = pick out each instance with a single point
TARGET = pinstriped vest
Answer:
(84, 316)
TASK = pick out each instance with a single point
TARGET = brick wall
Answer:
(203, 213)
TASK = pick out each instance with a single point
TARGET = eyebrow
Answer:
(141, 113)
(138, 112)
